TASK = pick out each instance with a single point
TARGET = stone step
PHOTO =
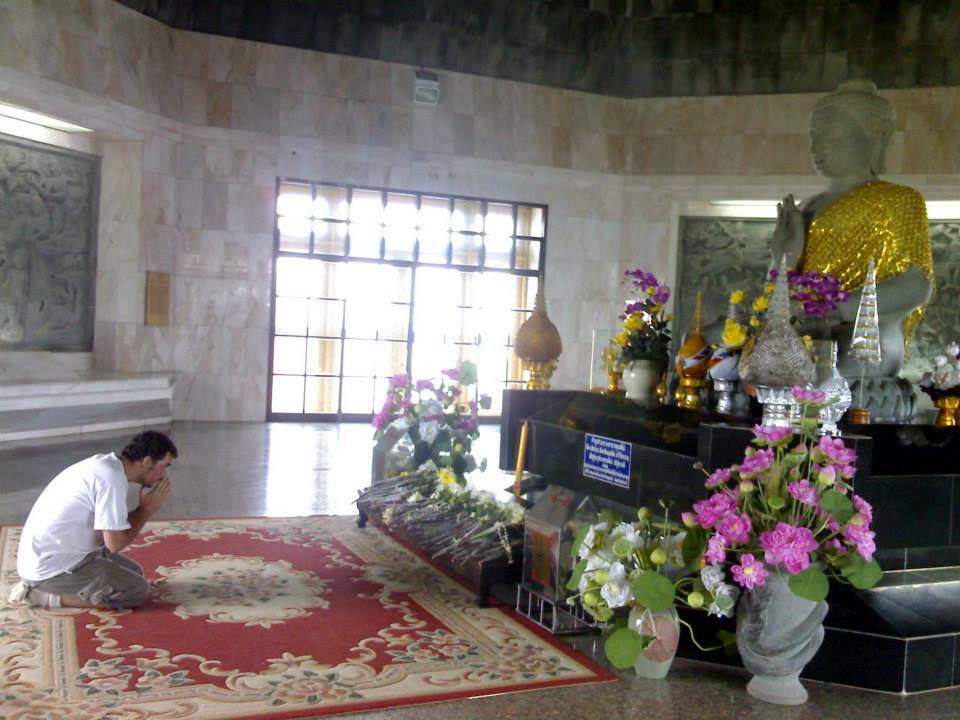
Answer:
(95, 402)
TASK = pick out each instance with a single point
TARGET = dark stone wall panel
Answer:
(48, 207)
(754, 46)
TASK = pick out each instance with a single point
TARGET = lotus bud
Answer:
(827, 476)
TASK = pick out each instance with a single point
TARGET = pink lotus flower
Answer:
(750, 573)
(788, 545)
(716, 507)
(837, 546)
(864, 508)
(804, 492)
(833, 449)
(808, 396)
(735, 529)
(756, 463)
(772, 435)
(861, 537)
(716, 550)
(718, 477)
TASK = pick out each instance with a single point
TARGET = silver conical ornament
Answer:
(779, 358)
(865, 344)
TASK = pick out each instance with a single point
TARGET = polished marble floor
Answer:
(251, 469)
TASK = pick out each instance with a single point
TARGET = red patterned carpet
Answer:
(270, 618)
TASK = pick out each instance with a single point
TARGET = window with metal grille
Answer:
(370, 282)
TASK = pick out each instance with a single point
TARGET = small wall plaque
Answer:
(158, 298)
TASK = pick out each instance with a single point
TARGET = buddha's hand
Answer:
(788, 235)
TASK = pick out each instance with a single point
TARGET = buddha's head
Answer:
(849, 131)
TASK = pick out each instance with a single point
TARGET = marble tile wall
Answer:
(195, 129)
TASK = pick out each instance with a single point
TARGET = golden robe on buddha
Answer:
(881, 220)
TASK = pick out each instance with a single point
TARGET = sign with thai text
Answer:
(607, 460)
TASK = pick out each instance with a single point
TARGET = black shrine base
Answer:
(902, 636)
(480, 576)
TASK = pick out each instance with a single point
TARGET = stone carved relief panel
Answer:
(48, 221)
(719, 255)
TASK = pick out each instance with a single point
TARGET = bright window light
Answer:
(18, 113)
(943, 209)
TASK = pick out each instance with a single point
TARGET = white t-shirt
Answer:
(63, 525)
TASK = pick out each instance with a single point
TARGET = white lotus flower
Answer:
(714, 609)
(628, 531)
(616, 594)
(587, 545)
(712, 577)
(429, 431)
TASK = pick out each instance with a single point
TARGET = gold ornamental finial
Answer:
(692, 359)
(698, 314)
(538, 344)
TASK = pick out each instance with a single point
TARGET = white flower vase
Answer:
(777, 635)
(640, 378)
(655, 662)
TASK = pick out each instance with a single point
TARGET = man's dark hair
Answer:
(151, 444)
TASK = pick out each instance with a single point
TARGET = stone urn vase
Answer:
(777, 635)
(640, 378)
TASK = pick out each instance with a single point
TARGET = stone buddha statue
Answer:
(856, 218)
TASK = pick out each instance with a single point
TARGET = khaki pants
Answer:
(104, 579)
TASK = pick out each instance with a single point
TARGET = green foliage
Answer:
(694, 545)
(574, 582)
(811, 584)
(838, 505)
(623, 647)
(653, 590)
(861, 574)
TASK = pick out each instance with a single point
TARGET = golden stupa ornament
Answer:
(538, 344)
(692, 360)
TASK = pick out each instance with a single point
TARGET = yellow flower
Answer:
(768, 289)
(737, 296)
(621, 339)
(807, 342)
(734, 334)
(761, 303)
(651, 290)
(634, 321)
(755, 322)
(446, 476)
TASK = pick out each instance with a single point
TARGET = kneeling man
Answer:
(69, 550)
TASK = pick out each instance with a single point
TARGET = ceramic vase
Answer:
(657, 658)
(777, 635)
(640, 378)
